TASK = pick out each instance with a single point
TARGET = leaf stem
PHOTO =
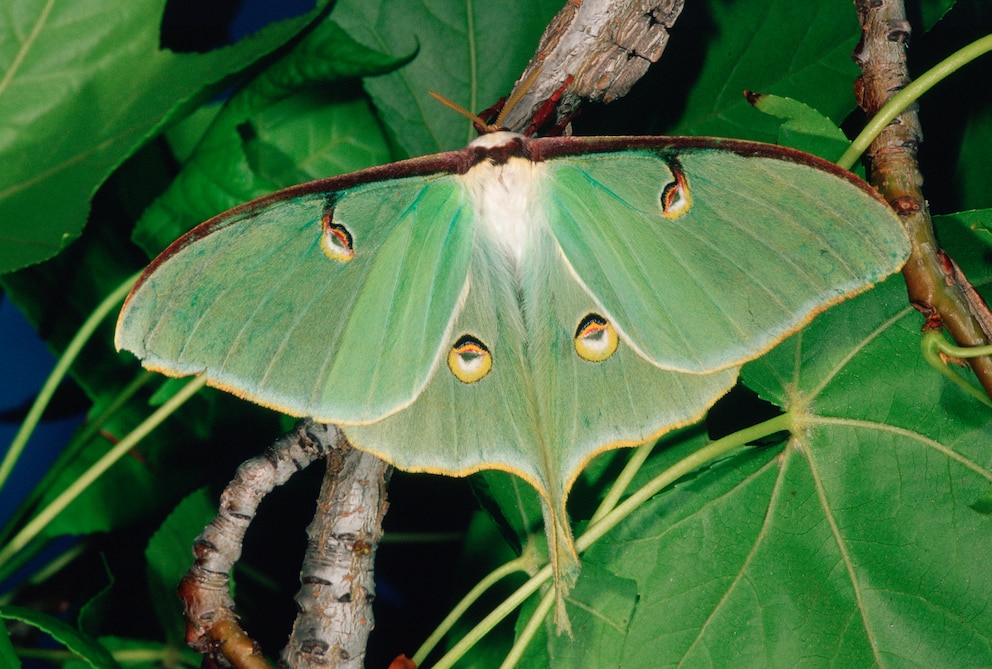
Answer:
(57, 505)
(524, 562)
(494, 617)
(521, 563)
(712, 451)
(71, 451)
(953, 350)
(622, 482)
(58, 373)
(909, 95)
(530, 630)
(933, 344)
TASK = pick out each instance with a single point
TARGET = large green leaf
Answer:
(297, 121)
(318, 133)
(168, 558)
(85, 83)
(470, 52)
(8, 657)
(802, 50)
(78, 642)
(602, 607)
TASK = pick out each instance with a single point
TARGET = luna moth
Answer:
(522, 304)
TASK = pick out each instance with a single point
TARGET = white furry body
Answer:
(507, 200)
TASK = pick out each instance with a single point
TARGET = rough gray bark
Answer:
(592, 50)
(335, 600)
(211, 623)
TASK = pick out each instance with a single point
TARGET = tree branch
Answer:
(211, 624)
(335, 600)
(936, 287)
(592, 50)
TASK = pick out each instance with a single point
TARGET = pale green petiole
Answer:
(57, 505)
(934, 343)
(522, 563)
(78, 442)
(620, 485)
(530, 630)
(909, 95)
(58, 373)
(519, 564)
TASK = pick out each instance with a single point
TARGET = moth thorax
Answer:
(506, 200)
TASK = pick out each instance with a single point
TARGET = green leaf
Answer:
(168, 557)
(978, 223)
(513, 505)
(93, 613)
(8, 656)
(295, 122)
(675, 549)
(141, 654)
(983, 504)
(934, 10)
(344, 137)
(469, 52)
(884, 489)
(59, 294)
(516, 508)
(803, 127)
(82, 644)
(780, 47)
(970, 175)
(187, 133)
(86, 84)
(153, 477)
(601, 607)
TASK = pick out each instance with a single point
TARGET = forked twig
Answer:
(347, 523)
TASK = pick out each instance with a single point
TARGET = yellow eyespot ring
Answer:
(595, 339)
(335, 239)
(469, 359)
(675, 198)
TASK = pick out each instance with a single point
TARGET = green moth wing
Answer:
(253, 300)
(521, 304)
(755, 239)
